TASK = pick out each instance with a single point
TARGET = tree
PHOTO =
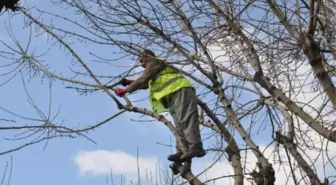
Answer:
(256, 65)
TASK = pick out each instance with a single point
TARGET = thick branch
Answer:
(294, 108)
(232, 149)
(312, 51)
(314, 180)
(310, 48)
(283, 19)
(259, 77)
(236, 123)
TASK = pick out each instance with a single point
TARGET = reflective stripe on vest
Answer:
(167, 84)
(168, 81)
(157, 76)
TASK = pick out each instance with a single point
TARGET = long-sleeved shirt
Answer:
(152, 68)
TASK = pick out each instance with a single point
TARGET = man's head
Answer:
(145, 56)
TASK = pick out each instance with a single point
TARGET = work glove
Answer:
(125, 82)
(120, 91)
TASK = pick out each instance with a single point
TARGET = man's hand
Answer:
(120, 91)
(125, 82)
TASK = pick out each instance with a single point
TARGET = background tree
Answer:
(263, 69)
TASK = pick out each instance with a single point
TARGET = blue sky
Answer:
(54, 165)
(57, 163)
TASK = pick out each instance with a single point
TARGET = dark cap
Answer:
(149, 52)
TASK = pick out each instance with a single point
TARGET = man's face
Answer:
(143, 60)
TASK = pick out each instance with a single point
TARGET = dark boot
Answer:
(174, 167)
(175, 157)
(193, 153)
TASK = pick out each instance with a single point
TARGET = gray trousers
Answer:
(183, 109)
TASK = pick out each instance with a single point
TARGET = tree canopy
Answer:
(264, 71)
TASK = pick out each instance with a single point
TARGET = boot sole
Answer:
(199, 155)
(174, 159)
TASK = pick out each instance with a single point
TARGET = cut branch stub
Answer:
(265, 176)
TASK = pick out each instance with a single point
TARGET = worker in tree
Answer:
(170, 91)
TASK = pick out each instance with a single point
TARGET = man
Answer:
(170, 91)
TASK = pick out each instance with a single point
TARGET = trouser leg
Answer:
(178, 143)
(176, 157)
(185, 110)
(184, 107)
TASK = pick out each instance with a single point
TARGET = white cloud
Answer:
(101, 162)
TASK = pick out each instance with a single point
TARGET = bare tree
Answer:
(257, 65)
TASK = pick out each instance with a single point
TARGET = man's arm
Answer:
(152, 69)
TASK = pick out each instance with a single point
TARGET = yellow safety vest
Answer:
(166, 82)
